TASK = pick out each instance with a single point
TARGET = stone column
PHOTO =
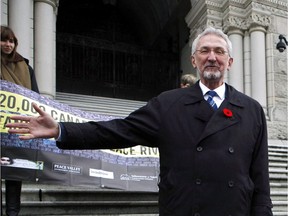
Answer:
(236, 74)
(247, 65)
(258, 65)
(270, 47)
(45, 46)
(4, 13)
(20, 13)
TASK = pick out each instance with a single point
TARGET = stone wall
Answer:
(278, 103)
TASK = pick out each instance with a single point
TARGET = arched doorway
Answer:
(118, 48)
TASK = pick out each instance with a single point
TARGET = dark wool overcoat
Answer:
(212, 163)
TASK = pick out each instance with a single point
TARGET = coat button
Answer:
(197, 214)
(231, 184)
(199, 149)
(198, 181)
(231, 150)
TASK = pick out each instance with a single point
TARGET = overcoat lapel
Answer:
(216, 120)
(219, 121)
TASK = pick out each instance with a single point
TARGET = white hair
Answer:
(211, 30)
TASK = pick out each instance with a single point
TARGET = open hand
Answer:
(31, 127)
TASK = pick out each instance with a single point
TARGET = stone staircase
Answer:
(278, 151)
(62, 200)
(99, 105)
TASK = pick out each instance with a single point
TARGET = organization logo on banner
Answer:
(67, 168)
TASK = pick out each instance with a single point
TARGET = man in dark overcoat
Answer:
(212, 139)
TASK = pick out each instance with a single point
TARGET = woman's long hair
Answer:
(8, 34)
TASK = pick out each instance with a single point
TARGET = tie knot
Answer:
(211, 93)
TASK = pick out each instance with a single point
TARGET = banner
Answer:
(39, 160)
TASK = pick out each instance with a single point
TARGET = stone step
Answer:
(276, 185)
(95, 214)
(283, 213)
(283, 192)
(106, 215)
(277, 170)
(89, 207)
(278, 177)
(89, 195)
(281, 165)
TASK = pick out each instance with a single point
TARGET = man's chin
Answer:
(212, 75)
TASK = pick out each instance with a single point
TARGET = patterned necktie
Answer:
(210, 100)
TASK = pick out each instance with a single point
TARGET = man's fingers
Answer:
(21, 118)
(19, 131)
(38, 109)
(17, 124)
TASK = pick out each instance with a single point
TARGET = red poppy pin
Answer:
(228, 113)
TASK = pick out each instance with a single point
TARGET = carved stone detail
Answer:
(241, 14)
(234, 22)
(258, 19)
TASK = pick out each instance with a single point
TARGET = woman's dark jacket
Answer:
(34, 86)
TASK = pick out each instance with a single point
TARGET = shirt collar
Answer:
(220, 90)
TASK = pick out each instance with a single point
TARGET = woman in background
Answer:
(16, 69)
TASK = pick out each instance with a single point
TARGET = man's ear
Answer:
(193, 61)
(230, 62)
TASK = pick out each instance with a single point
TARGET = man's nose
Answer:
(211, 56)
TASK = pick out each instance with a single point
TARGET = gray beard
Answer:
(212, 75)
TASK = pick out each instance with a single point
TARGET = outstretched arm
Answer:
(42, 126)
